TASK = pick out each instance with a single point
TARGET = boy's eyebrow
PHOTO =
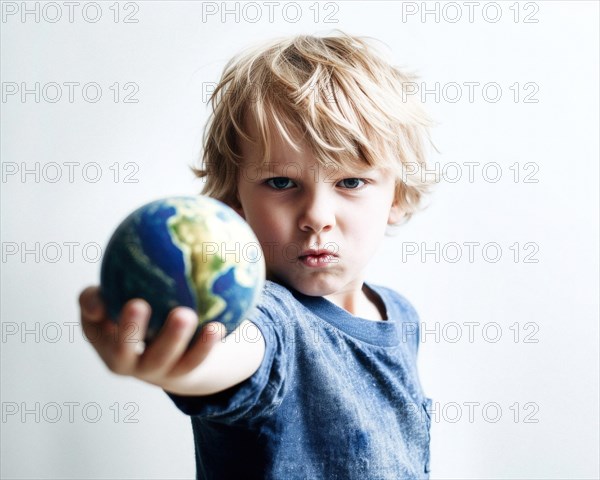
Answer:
(294, 169)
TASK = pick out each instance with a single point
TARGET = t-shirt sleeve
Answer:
(258, 395)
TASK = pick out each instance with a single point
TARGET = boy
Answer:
(309, 141)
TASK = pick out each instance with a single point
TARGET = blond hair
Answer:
(342, 95)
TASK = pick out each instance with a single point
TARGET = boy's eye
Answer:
(351, 183)
(279, 183)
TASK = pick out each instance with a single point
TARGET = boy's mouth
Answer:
(317, 258)
(316, 253)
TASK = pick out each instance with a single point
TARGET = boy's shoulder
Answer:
(402, 311)
(390, 296)
(275, 304)
(275, 296)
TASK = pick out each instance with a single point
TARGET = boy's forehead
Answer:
(279, 146)
(282, 153)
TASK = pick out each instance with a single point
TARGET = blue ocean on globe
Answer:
(184, 251)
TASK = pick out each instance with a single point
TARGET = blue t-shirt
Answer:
(336, 397)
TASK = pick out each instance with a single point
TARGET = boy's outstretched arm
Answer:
(209, 366)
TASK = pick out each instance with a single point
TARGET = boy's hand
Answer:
(165, 362)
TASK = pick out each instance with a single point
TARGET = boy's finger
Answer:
(98, 330)
(212, 333)
(92, 307)
(101, 335)
(169, 345)
(133, 323)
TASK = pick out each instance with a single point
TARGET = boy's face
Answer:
(294, 204)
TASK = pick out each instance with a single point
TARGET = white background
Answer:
(171, 53)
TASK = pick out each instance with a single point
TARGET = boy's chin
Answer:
(308, 288)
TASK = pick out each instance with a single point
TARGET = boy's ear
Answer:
(396, 214)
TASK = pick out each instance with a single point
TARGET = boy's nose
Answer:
(317, 213)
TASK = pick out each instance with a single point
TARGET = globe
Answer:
(184, 251)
